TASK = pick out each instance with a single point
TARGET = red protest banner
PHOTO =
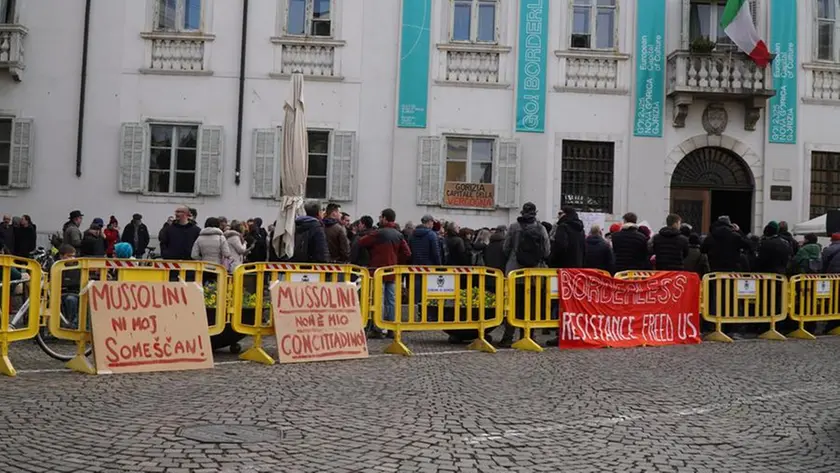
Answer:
(599, 311)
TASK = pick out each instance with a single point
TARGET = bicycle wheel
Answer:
(61, 350)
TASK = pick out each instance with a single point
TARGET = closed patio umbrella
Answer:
(294, 167)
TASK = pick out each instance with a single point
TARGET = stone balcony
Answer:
(473, 65)
(593, 72)
(822, 83)
(177, 53)
(11, 49)
(718, 77)
(317, 58)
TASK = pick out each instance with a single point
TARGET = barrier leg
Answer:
(772, 334)
(80, 362)
(257, 353)
(397, 347)
(6, 367)
(718, 335)
(526, 343)
(801, 334)
(480, 343)
(835, 331)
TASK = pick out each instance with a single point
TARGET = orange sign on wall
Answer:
(465, 194)
(317, 322)
(148, 326)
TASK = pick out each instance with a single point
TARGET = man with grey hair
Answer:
(423, 243)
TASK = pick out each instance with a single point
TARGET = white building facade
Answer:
(161, 109)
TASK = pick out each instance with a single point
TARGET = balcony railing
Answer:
(316, 58)
(593, 72)
(11, 49)
(474, 65)
(177, 53)
(822, 83)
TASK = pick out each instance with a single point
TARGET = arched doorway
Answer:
(709, 182)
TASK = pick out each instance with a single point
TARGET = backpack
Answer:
(529, 248)
(301, 248)
(56, 239)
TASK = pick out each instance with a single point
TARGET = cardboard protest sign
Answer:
(599, 311)
(469, 195)
(148, 326)
(317, 322)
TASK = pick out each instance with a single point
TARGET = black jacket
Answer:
(141, 232)
(788, 237)
(7, 237)
(458, 254)
(494, 253)
(723, 245)
(92, 245)
(630, 248)
(569, 243)
(774, 253)
(259, 242)
(695, 261)
(311, 229)
(25, 240)
(670, 248)
(178, 240)
(599, 255)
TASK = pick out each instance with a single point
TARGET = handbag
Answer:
(227, 262)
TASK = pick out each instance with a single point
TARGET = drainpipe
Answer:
(82, 89)
(239, 119)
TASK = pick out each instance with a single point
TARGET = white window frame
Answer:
(835, 47)
(180, 11)
(327, 178)
(755, 8)
(172, 158)
(470, 139)
(474, 17)
(308, 20)
(593, 25)
(11, 121)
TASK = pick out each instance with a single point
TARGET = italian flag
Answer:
(738, 24)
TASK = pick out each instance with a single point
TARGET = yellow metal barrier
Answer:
(738, 298)
(76, 274)
(251, 296)
(813, 298)
(20, 305)
(439, 298)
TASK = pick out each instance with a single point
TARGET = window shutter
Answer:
(266, 163)
(429, 165)
(134, 139)
(341, 166)
(209, 160)
(507, 174)
(754, 12)
(20, 172)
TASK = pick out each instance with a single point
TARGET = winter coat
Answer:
(723, 246)
(387, 247)
(178, 240)
(670, 248)
(599, 254)
(477, 253)
(569, 243)
(337, 242)
(258, 242)
(458, 254)
(211, 246)
(25, 240)
(237, 248)
(93, 244)
(72, 235)
(802, 260)
(137, 236)
(695, 261)
(7, 237)
(312, 230)
(424, 247)
(494, 253)
(831, 258)
(774, 253)
(512, 242)
(358, 255)
(788, 237)
(112, 237)
(630, 247)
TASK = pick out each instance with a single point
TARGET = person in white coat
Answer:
(238, 250)
(211, 245)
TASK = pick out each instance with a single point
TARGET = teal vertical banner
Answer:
(783, 45)
(650, 67)
(415, 41)
(532, 58)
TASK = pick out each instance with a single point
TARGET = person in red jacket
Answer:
(112, 236)
(387, 247)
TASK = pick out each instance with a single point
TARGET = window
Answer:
(5, 151)
(827, 25)
(309, 18)
(704, 22)
(172, 159)
(474, 20)
(825, 182)
(319, 152)
(587, 178)
(178, 15)
(469, 160)
(7, 11)
(593, 24)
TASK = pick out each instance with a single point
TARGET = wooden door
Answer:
(694, 206)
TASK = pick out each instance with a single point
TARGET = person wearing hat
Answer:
(724, 245)
(425, 250)
(112, 236)
(72, 231)
(137, 234)
(774, 252)
(93, 240)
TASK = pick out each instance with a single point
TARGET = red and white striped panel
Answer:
(329, 268)
(431, 269)
(139, 264)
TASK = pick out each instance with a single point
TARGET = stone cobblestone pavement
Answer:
(752, 406)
